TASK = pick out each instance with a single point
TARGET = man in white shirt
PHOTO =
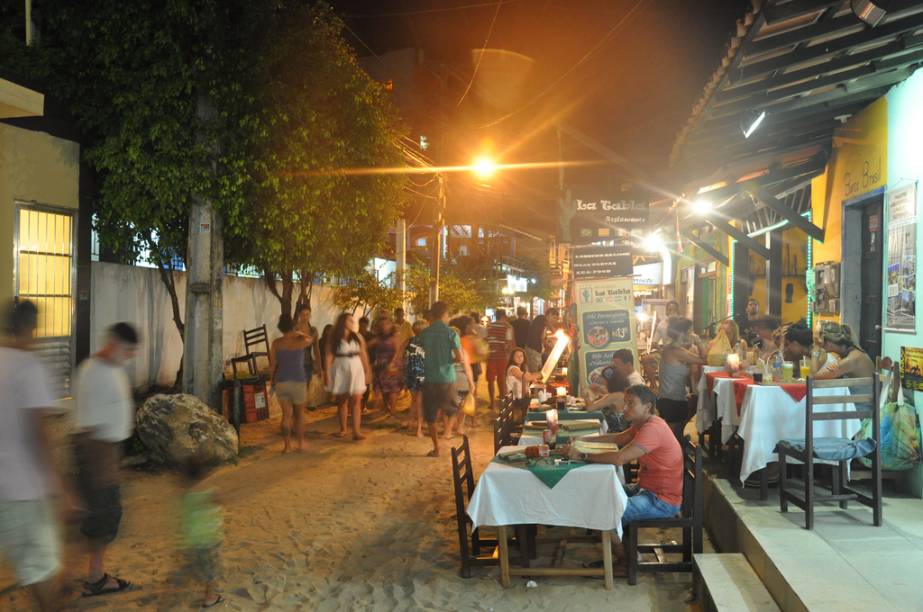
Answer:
(105, 418)
(28, 477)
(623, 362)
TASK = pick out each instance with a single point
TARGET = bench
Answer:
(726, 581)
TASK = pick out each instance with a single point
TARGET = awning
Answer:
(802, 68)
(19, 101)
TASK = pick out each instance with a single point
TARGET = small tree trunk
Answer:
(169, 281)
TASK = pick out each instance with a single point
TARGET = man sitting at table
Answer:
(650, 441)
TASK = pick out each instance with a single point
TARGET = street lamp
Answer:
(484, 167)
(701, 206)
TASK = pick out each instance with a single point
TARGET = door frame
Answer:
(851, 260)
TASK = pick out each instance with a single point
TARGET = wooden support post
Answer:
(607, 559)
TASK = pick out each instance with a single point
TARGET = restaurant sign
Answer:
(605, 311)
(595, 220)
(602, 261)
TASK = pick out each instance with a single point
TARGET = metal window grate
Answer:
(45, 276)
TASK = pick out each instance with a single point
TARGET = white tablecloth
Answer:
(769, 414)
(591, 497)
(705, 409)
(719, 404)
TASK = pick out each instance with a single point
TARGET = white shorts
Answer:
(29, 540)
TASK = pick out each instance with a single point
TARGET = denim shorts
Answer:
(643, 504)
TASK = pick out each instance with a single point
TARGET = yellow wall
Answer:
(858, 165)
(34, 166)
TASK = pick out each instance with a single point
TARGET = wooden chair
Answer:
(689, 519)
(254, 339)
(469, 540)
(804, 494)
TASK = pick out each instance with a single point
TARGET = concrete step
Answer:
(728, 582)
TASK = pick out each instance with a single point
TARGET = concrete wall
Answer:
(137, 295)
(34, 166)
(905, 164)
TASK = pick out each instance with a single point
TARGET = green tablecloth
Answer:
(545, 469)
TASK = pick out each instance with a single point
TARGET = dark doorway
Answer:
(870, 322)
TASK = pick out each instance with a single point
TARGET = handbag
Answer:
(900, 428)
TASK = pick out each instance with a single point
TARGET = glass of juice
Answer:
(788, 371)
(805, 371)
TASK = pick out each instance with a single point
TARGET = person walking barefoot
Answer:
(289, 379)
(348, 372)
(413, 373)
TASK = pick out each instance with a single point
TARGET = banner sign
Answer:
(595, 220)
(912, 368)
(902, 259)
(592, 261)
(606, 315)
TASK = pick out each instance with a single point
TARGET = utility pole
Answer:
(400, 256)
(437, 239)
(203, 354)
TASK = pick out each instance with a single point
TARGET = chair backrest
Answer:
(254, 338)
(693, 491)
(862, 393)
(462, 475)
(498, 425)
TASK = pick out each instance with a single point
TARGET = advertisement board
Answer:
(606, 320)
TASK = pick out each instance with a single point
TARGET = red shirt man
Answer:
(501, 343)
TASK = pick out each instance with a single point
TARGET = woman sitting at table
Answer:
(732, 332)
(764, 328)
(797, 344)
(852, 361)
(650, 441)
(518, 376)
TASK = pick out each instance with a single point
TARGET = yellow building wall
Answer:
(34, 167)
(857, 165)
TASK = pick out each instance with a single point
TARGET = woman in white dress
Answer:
(348, 371)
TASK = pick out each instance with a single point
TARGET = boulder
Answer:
(175, 428)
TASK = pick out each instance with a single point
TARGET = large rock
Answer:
(177, 427)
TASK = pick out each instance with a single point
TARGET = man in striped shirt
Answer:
(500, 341)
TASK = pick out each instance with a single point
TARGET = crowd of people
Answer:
(438, 360)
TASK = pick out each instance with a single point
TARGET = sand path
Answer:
(343, 526)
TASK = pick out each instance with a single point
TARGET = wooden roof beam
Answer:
(740, 236)
(902, 45)
(718, 255)
(844, 43)
(765, 197)
(792, 10)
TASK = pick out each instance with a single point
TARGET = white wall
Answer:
(137, 295)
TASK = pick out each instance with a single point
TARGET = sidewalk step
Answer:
(731, 584)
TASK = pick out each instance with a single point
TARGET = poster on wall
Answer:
(912, 368)
(605, 311)
(902, 255)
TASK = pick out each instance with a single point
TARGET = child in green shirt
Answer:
(201, 528)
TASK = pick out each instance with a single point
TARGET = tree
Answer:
(320, 113)
(454, 291)
(132, 76)
(365, 291)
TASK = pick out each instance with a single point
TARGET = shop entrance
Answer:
(861, 278)
(870, 319)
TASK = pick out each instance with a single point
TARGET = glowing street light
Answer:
(484, 167)
(653, 242)
(701, 206)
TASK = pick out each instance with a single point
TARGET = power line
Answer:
(579, 63)
(477, 65)
(442, 9)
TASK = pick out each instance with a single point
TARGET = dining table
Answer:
(533, 436)
(774, 412)
(587, 496)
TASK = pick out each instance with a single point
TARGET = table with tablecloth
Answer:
(770, 413)
(705, 408)
(590, 497)
(720, 402)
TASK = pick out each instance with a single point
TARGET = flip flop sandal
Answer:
(93, 589)
(214, 603)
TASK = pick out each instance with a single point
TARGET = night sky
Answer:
(625, 72)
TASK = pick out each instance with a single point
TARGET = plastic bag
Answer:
(900, 430)
(469, 405)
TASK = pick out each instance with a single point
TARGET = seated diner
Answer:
(649, 441)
